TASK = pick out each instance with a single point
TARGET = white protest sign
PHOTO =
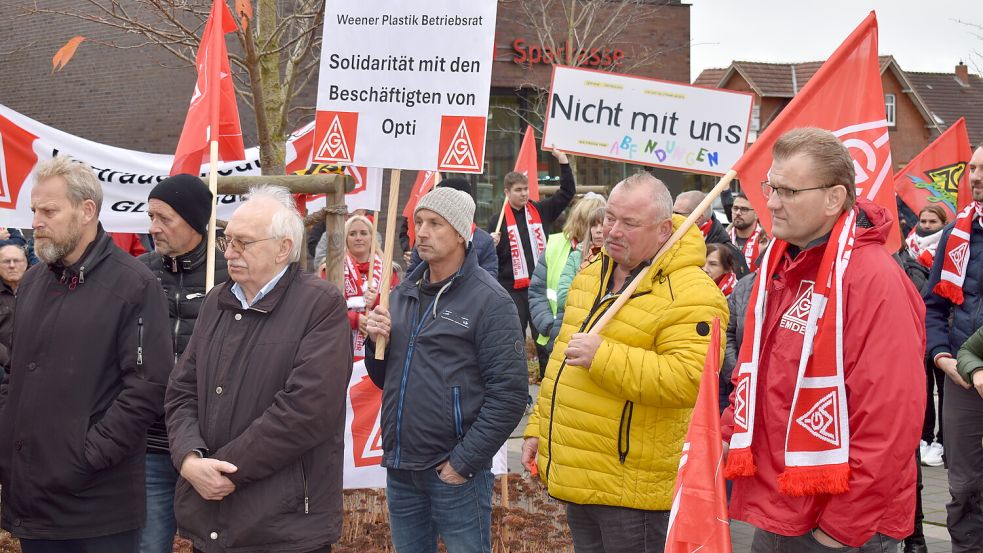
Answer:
(127, 176)
(405, 85)
(646, 121)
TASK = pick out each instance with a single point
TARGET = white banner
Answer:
(127, 176)
(646, 121)
(405, 85)
(363, 435)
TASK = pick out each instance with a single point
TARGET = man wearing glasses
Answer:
(13, 264)
(255, 407)
(829, 384)
(745, 232)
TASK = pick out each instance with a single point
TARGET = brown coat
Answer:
(264, 389)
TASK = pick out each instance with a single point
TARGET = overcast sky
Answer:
(922, 36)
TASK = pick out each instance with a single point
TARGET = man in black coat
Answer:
(90, 359)
(179, 208)
(453, 384)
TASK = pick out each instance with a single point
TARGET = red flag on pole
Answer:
(845, 97)
(938, 174)
(527, 163)
(425, 181)
(699, 520)
(213, 111)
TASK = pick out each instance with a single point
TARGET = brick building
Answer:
(918, 106)
(137, 97)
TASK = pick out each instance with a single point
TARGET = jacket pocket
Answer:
(69, 471)
(456, 413)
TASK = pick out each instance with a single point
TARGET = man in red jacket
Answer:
(829, 386)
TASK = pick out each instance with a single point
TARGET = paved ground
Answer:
(934, 497)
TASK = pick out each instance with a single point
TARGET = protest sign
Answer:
(405, 85)
(127, 176)
(646, 121)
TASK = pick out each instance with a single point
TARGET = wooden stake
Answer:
(213, 188)
(505, 492)
(372, 251)
(387, 255)
(690, 221)
(501, 216)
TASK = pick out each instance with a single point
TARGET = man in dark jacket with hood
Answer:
(454, 384)
(179, 208)
(256, 405)
(90, 362)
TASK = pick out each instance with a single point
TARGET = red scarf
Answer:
(706, 227)
(922, 248)
(956, 258)
(752, 248)
(356, 279)
(534, 225)
(726, 283)
(817, 441)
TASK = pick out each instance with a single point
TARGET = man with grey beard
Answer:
(90, 359)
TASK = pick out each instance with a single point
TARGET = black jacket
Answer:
(460, 390)
(948, 325)
(7, 301)
(549, 209)
(718, 235)
(183, 281)
(91, 356)
(264, 389)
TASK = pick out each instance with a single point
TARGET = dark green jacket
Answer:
(970, 356)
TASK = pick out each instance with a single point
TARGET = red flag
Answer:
(213, 105)
(527, 163)
(425, 180)
(938, 174)
(699, 520)
(845, 97)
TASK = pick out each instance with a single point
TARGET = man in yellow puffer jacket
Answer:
(612, 413)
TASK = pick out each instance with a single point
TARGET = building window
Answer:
(890, 109)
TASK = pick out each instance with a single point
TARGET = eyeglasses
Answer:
(223, 242)
(12, 261)
(786, 194)
(742, 209)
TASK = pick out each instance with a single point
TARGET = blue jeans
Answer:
(157, 536)
(422, 506)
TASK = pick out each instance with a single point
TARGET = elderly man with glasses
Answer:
(255, 408)
(13, 265)
(829, 385)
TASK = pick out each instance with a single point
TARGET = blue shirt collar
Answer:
(241, 296)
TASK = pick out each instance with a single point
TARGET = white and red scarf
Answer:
(534, 225)
(817, 439)
(751, 249)
(726, 283)
(355, 284)
(922, 248)
(956, 258)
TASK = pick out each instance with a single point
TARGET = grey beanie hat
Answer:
(453, 205)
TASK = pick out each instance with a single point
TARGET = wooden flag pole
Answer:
(213, 188)
(690, 221)
(372, 251)
(501, 216)
(387, 255)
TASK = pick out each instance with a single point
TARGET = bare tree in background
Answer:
(275, 60)
(578, 27)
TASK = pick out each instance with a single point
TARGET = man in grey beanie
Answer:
(454, 383)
